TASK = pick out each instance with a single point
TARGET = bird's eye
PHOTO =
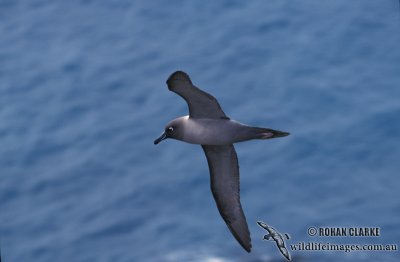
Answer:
(170, 129)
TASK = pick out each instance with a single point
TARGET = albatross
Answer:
(208, 126)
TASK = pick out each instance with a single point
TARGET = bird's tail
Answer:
(267, 133)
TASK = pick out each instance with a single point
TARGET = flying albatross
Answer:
(208, 126)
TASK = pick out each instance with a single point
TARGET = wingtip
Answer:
(245, 245)
(248, 248)
(243, 239)
(178, 75)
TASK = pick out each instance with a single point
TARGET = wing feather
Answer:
(224, 172)
(201, 104)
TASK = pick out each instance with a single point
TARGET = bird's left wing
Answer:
(201, 104)
(224, 171)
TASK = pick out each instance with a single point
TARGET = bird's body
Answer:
(208, 126)
(212, 131)
(274, 235)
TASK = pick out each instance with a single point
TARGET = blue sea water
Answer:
(83, 96)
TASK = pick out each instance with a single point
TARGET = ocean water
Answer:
(83, 96)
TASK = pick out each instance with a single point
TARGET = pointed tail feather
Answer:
(267, 133)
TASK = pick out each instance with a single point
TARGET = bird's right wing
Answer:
(201, 104)
(224, 170)
(263, 225)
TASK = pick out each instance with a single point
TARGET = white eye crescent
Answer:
(170, 129)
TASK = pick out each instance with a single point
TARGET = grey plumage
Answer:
(274, 235)
(224, 172)
(201, 104)
(208, 126)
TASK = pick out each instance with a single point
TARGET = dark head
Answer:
(174, 129)
(267, 237)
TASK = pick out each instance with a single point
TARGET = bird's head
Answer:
(173, 129)
(267, 237)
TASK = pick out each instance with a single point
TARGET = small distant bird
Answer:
(208, 126)
(273, 234)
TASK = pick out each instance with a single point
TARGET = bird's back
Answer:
(215, 131)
